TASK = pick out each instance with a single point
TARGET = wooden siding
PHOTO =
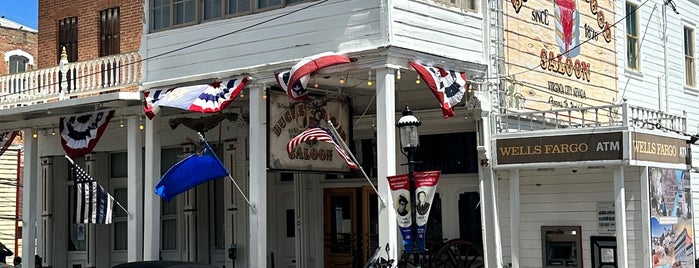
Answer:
(339, 26)
(437, 30)
(8, 194)
(560, 197)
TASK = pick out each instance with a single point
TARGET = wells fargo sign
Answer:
(647, 147)
(584, 147)
(551, 63)
(288, 118)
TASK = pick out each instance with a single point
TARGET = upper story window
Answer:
(109, 32)
(166, 14)
(631, 36)
(68, 38)
(18, 64)
(689, 72)
(464, 4)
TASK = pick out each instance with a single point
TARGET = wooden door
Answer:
(340, 228)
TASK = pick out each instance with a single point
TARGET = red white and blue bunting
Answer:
(447, 85)
(294, 81)
(206, 98)
(80, 133)
(6, 138)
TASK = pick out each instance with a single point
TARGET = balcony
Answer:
(113, 73)
(622, 115)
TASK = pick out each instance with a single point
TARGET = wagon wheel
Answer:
(431, 246)
(458, 253)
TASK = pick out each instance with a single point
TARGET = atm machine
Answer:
(561, 246)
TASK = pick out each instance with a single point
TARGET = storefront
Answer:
(604, 196)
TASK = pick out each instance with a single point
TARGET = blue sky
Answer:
(25, 12)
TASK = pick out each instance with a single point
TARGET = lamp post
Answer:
(409, 139)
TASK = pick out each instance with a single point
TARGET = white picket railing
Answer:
(83, 77)
(589, 117)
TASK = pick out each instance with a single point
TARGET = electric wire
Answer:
(186, 46)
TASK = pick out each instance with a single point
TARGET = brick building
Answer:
(88, 29)
(17, 45)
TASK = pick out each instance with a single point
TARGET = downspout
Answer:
(667, 94)
(17, 199)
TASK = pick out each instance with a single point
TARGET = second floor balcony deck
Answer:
(112, 73)
(610, 116)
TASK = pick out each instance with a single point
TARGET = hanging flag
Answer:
(80, 133)
(447, 85)
(6, 139)
(425, 188)
(190, 172)
(294, 81)
(319, 134)
(92, 203)
(400, 191)
(207, 98)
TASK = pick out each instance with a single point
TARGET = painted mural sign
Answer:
(288, 118)
(672, 232)
(560, 54)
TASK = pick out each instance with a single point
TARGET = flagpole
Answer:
(351, 155)
(201, 137)
(115, 201)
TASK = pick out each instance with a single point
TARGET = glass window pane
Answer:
(268, 3)
(185, 11)
(118, 165)
(168, 208)
(120, 235)
(238, 6)
(219, 214)
(211, 9)
(169, 234)
(631, 21)
(631, 53)
(121, 196)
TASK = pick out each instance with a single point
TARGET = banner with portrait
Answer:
(425, 188)
(672, 232)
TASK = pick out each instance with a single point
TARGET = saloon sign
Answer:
(551, 63)
(288, 118)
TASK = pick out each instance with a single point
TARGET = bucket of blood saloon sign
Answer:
(551, 65)
(288, 118)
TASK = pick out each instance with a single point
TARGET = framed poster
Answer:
(287, 118)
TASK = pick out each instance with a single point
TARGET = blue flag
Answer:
(190, 172)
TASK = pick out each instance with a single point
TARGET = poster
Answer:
(672, 232)
(425, 188)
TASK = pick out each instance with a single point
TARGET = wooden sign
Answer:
(583, 147)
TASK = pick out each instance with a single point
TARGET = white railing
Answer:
(623, 115)
(82, 77)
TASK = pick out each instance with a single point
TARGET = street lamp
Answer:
(409, 139)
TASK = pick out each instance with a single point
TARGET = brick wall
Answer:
(12, 39)
(87, 12)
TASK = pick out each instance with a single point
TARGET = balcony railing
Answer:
(81, 78)
(622, 115)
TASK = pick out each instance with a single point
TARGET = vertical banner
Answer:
(425, 187)
(400, 191)
(672, 232)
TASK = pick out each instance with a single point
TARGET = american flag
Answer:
(319, 134)
(92, 203)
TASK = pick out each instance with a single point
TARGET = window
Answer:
(68, 38)
(18, 64)
(465, 4)
(219, 214)
(109, 44)
(120, 219)
(631, 36)
(459, 157)
(168, 210)
(689, 73)
(109, 32)
(170, 13)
